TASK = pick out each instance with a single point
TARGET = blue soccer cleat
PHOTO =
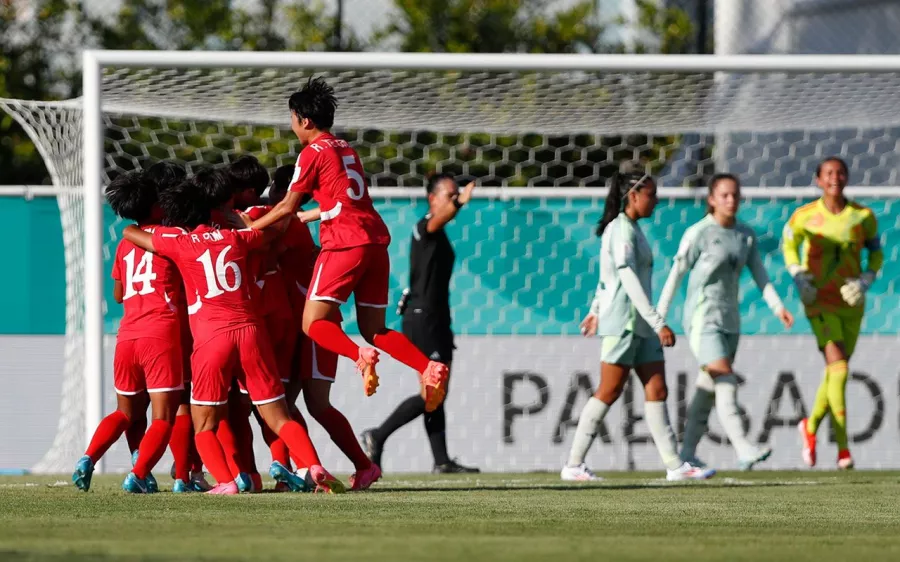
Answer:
(244, 484)
(84, 470)
(181, 488)
(134, 485)
(284, 476)
(152, 485)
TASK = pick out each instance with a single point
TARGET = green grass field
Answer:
(792, 516)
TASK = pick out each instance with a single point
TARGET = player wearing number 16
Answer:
(354, 257)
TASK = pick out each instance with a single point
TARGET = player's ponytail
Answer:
(620, 185)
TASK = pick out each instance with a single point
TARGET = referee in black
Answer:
(425, 308)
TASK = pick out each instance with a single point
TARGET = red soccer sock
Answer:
(180, 445)
(341, 433)
(297, 440)
(107, 433)
(277, 447)
(329, 335)
(213, 456)
(153, 445)
(400, 348)
(229, 445)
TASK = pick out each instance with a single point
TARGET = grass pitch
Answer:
(792, 516)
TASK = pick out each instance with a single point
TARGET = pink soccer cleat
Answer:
(363, 479)
(434, 379)
(325, 482)
(226, 489)
(845, 461)
(368, 357)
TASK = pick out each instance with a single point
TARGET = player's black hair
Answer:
(165, 174)
(714, 181)
(186, 204)
(213, 184)
(434, 180)
(132, 196)
(281, 182)
(246, 172)
(837, 159)
(631, 178)
(316, 102)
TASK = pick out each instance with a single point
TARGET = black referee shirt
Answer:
(431, 260)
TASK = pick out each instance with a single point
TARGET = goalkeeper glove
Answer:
(803, 280)
(854, 290)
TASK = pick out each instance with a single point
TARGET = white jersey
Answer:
(623, 245)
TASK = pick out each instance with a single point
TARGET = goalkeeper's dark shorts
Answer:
(430, 333)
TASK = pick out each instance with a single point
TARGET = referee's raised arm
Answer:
(425, 308)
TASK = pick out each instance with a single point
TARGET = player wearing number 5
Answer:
(354, 239)
(823, 243)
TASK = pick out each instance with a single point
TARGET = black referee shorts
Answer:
(431, 335)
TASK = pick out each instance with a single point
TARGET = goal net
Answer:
(541, 135)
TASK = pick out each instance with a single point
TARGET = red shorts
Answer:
(150, 364)
(315, 362)
(242, 353)
(282, 333)
(364, 271)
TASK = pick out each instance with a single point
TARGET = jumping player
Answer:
(715, 251)
(148, 353)
(831, 232)
(633, 332)
(354, 257)
(226, 329)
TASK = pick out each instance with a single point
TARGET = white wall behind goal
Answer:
(515, 400)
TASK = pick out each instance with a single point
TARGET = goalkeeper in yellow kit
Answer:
(823, 243)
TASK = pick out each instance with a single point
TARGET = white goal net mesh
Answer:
(527, 264)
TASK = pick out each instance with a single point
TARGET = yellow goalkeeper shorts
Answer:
(840, 327)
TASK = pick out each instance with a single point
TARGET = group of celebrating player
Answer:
(229, 311)
(822, 245)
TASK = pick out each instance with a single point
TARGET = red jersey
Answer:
(299, 257)
(216, 276)
(272, 296)
(153, 291)
(330, 170)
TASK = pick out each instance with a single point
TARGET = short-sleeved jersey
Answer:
(715, 256)
(272, 296)
(214, 266)
(153, 291)
(623, 245)
(829, 246)
(330, 170)
(431, 260)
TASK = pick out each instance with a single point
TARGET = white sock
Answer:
(657, 416)
(727, 410)
(698, 415)
(588, 425)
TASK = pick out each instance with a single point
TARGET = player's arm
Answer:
(301, 185)
(792, 239)
(139, 238)
(626, 264)
(311, 215)
(854, 290)
(687, 255)
(118, 291)
(770, 295)
(118, 288)
(448, 211)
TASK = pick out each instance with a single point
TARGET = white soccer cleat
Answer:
(688, 471)
(578, 473)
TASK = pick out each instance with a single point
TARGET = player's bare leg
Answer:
(278, 417)
(319, 325)
(206, 420)
(433, 375)
(317, 395)
(164, 406)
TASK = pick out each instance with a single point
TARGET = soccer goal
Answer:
(541, 134)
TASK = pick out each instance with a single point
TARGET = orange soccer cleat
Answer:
(434, 379)
(809, 444)
(368, 357)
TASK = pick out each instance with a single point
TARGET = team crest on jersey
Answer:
(435, 356)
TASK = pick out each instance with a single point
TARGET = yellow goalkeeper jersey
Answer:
(829, 246)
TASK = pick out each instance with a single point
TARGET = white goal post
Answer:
(644, 100)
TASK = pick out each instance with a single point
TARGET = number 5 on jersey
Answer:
(355, 176)
(142, 274)
(217, 278)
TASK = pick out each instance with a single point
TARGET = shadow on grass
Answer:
(694, 486)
